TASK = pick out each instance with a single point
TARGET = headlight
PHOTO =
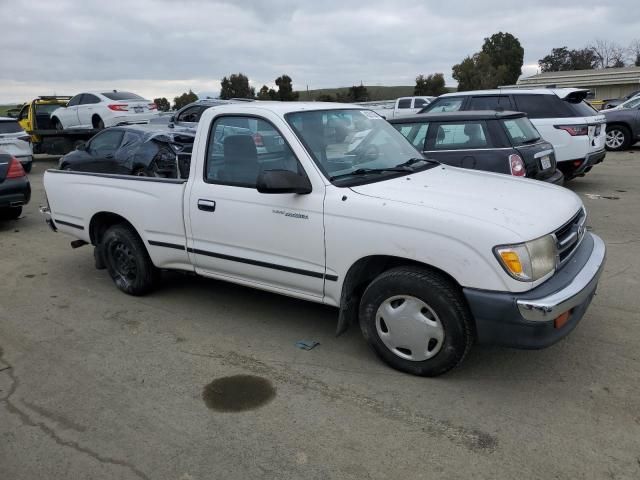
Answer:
(529, 261)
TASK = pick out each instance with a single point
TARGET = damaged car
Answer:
(133, 150)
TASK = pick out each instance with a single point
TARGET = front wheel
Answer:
(417, 321)
(57, 124)
(618, 138)
(127, 261)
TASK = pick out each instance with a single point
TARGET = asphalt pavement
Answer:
(95, 384)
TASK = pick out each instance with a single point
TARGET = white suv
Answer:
(576, 131)
(15, 142)
(103, 109)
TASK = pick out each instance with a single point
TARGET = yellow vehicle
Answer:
(35, 119)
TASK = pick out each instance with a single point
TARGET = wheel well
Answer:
(362, 273)
(618, 124)
(95, 119)
(101, 222)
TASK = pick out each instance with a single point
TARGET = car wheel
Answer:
(57, 125)
(618, 138)
(128, 261)
(98, 123)
(10, 213)
(417, 321)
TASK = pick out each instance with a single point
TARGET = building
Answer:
(604, 84)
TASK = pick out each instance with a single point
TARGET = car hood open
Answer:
(529, 208)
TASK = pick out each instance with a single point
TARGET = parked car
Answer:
(15, 189)
(189, 115)
(502, 142)
(623, 125)
(563, 118)
(133, 150)
(426, 258)
(103, 109)
(403, 106)
(608, 104)
(14, 141)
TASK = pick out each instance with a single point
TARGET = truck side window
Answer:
(239, 148)
(404, 103)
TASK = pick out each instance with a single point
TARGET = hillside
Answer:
(5, 108)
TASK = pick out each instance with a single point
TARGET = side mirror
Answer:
(283, 181)
(81, 146)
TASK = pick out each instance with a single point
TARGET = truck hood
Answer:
(528, 208)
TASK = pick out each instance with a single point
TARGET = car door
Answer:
(271, 241)
(68, 116)
(23, 118)
(101, 152)
(465, 144)
(86, 109)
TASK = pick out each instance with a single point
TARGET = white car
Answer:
(16, 142)
(102, 109)
(427, 258)
(575, 129)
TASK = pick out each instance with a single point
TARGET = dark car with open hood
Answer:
(15, 190)
(501, 142)
(143, 150)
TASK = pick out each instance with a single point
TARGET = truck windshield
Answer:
(521, 131)
(353, 145)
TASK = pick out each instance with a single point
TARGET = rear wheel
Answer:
(28, 166)
(417, 321)
(127, 261)
(10, 213)
(618, 138)
(98, 123)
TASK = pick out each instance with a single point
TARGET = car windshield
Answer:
(521, 130)
(122, 96)
(9, 126)
(351, 144)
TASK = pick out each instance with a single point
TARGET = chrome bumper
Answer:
(576, 293)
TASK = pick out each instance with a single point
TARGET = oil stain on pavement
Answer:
(238, 393)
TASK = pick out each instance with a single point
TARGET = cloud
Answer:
(163, 47)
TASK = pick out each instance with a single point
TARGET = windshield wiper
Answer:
(367, 171)
(413, 161)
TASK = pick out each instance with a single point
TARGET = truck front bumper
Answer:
(542, 316)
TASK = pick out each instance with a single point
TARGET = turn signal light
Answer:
(15, 169)
(562, 320)
(516, 164)
(512, 261)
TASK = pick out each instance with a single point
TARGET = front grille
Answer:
(569, 236)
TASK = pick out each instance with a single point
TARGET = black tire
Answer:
(98, 123)
(27, 167)
(128, 261)
(622, 136)
(442, 296)
(10, 213)
(57, 125)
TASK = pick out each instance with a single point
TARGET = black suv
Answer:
(501, 142)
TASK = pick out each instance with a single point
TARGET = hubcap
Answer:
(123, 261)
(615, 138)
(409, 328)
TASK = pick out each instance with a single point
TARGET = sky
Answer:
(164, 47)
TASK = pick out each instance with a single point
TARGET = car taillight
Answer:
(153, 106)
(15, 169)
(118, 107)
(574, 130)
(517, 166)
(257, 139)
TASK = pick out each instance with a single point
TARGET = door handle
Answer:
(206, 205)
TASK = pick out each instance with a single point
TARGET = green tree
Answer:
(430, 85)
(356, 93)
(504, 50)
(266, 93)
(236, 86)
(285, 89)
(562, 59)
(325, 97)
(478, 73)
(184, 99)
(162, 103)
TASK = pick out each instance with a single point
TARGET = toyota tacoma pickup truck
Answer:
(427, 258)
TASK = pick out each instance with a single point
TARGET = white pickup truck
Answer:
(402, 107)
(340, 209)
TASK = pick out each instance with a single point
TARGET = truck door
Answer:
(271, 241)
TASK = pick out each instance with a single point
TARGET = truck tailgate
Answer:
(153, 206)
